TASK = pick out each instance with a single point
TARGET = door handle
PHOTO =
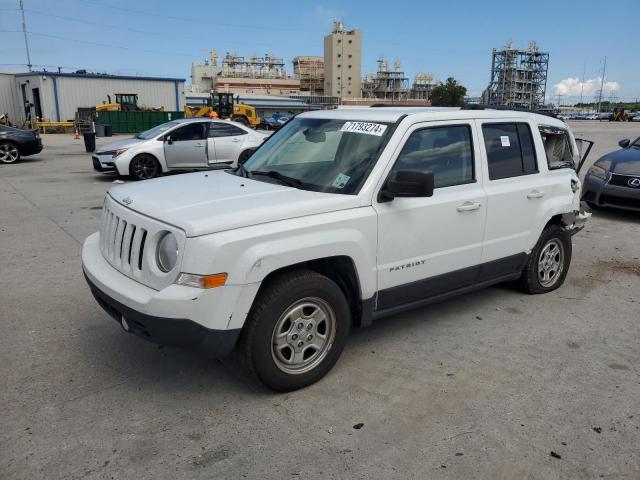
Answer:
(235, 139)
(198, 146)
(469, 206)
(535, 194)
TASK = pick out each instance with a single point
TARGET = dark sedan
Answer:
(16, 143)
(614, 180)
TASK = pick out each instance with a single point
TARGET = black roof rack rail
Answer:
(475, 106)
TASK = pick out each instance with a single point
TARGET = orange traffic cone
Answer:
(76, 135)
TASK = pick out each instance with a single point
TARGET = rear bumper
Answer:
(31, 147)
(603, 194)
(166, 331)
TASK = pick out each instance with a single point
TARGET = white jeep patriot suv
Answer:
(341, 217)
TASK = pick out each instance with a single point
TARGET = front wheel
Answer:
(144, 167)
(549, 261)
(244, 156)
(296, 330)
(9, 153)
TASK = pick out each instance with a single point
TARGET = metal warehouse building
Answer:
(57, 96)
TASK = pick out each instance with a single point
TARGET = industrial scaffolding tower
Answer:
(518, 77)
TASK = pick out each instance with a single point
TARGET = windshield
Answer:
(322, 155)
(636, 143)
(155, 131)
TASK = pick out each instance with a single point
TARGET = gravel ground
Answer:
(492, 385)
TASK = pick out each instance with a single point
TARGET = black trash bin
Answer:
(108, 130)
(90, 142)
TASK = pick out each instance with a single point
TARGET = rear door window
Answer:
(510, 150)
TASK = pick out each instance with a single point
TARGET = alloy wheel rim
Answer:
(303, 335)
(8, 153)
(145, 168)
(550, 263)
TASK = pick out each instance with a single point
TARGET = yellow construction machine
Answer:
(225, 106)
(127, 102)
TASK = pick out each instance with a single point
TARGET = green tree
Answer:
(449, 94)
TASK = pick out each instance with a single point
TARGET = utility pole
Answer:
(559, 96)
(26, 40)
(584, 68)
(604, 70)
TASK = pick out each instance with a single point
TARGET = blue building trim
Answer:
(97, 75)
(176, 83)
(55, 98)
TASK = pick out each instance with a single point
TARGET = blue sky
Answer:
(158, 37)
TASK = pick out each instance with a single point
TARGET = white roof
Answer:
(392, 114)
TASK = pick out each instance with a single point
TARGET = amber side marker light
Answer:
(202, 281)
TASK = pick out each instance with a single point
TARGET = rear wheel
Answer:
(549, 261)
(144, 167)
(241, 119)
(9, 153)
(296, 330)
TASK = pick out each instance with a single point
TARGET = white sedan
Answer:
(184, 144)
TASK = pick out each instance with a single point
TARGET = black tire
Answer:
(551, 258)
(9, 152)
(244, 156)
(241, 119)
(144, 167)
(258, 343)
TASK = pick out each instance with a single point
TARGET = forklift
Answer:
(619, 115)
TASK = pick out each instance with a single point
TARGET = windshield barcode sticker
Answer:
(367, 128)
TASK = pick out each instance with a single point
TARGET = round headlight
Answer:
(167, 252)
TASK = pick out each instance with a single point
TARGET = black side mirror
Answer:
(624, 143)
(408, 183)
(168, 139)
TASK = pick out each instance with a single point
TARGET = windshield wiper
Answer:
(242, 171)
(290, 181)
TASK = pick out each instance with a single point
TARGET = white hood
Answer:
(215, 201)
(109, 147)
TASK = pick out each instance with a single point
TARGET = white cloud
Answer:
(573, 87)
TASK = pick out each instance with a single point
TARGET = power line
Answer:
(145, 32)
(148, 13)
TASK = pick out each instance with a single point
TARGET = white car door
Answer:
(186, 146)
(516, 190)
(228, 141)
(432, 245)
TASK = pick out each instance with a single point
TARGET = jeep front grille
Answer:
(122, 242)
(128, 241)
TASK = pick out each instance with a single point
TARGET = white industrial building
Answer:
(57, 96)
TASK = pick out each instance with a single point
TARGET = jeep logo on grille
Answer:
(127, 200)
(634, 182)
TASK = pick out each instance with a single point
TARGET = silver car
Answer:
(184, 144)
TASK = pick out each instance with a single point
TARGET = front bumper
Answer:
(176, 315)
(104, 164)
(178, 332)
(603, 194)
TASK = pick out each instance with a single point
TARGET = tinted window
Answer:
(445, 151)
(510, 151)
(224, 130)
(191, 131)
